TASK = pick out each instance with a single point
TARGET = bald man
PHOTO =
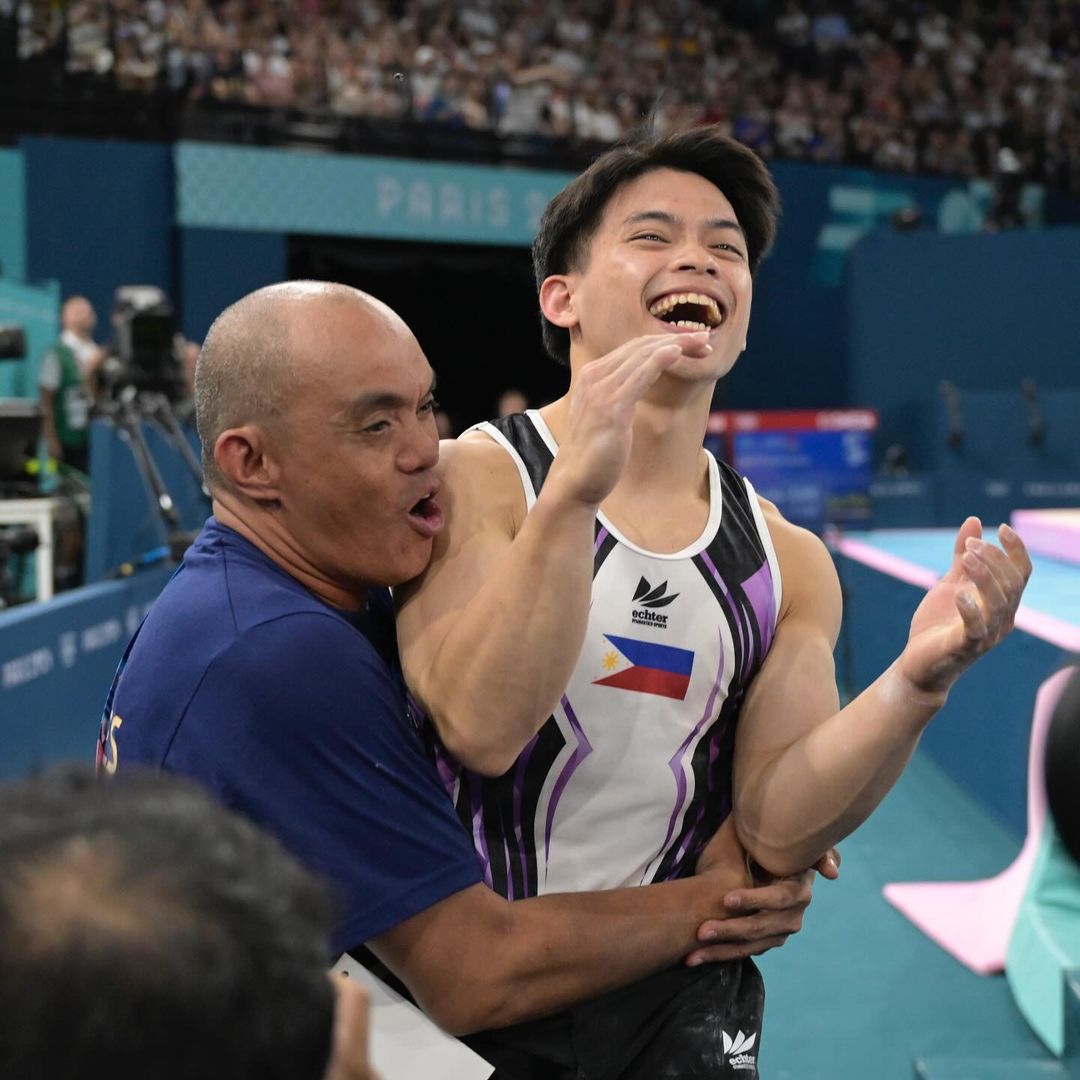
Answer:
(268, 670)
(65, 384)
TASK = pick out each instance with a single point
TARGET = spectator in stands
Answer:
(568, 69)
(512, 400)
(66, 384)
(444, 425)
(146, 931)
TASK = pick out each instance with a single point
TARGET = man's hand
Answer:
(349, 1052)
(765, 913)
(968, 611)
(595, 444)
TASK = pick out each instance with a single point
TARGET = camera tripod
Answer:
(126, 412)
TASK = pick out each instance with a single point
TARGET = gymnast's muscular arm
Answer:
(808, 773)
(490, 632)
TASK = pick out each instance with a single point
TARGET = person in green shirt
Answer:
(66, 384)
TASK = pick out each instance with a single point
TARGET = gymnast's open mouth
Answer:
(692, 311)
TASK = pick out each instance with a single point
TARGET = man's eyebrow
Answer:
(653, 215)
(724, 223)
(667, 218)
(381, 399)
(374, 399)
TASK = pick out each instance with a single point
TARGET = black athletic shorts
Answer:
(699, 1023)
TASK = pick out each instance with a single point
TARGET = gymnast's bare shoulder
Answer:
(483, 505)
(809, 582)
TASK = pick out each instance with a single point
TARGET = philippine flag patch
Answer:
(654, 669)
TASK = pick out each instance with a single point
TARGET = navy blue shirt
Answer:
(295, 714)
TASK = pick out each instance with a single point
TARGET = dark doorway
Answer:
(472, 308)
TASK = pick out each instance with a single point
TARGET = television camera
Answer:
(146, 353)
(142, 379)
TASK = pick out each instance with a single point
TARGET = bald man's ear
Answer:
(557, 300)
(242, 457)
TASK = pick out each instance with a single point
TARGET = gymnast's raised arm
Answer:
(489, 634)
(808, 773)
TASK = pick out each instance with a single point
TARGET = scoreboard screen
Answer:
(814, 464)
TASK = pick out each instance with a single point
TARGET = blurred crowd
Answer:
(911, 86)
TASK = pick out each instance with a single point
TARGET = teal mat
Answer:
(860, 994)
(1054, 588)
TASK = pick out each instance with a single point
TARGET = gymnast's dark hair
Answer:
(571, 218)
(147, 932)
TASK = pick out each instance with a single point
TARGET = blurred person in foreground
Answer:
(268, 669)
(626, 654)
(145, 931)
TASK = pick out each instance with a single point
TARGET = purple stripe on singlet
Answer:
(448, 774)
(479, 836)
(601, 536)
(581, 752)
(743, 630)
(759, 591)
(509, 876)
(676, 763)
(519, 795)
(710, 787)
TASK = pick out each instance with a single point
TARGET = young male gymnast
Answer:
(626, 654)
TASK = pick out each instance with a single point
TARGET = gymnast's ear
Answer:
(557, 300)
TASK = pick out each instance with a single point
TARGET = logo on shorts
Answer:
(738, 1050)
(649, 599)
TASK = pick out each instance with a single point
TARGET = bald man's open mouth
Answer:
(425, 516)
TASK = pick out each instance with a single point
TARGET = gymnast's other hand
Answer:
(967, 612)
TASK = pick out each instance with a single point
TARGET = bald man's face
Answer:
(357, 448)
(79, 316)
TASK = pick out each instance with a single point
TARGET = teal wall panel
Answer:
(266, 190)
(56, 663)
(12, 215)
(981, 311)
(36, 308)
(241, 262)
(98, 215)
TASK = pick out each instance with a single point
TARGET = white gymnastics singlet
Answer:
(631, 775)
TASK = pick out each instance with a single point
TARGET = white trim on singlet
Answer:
(494, 433)
(695, 547)
(767, 543)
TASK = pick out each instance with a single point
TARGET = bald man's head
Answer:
(78, 316)
(257, 352)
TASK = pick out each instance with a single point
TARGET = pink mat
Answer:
(1053, 533)
(973, 920)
